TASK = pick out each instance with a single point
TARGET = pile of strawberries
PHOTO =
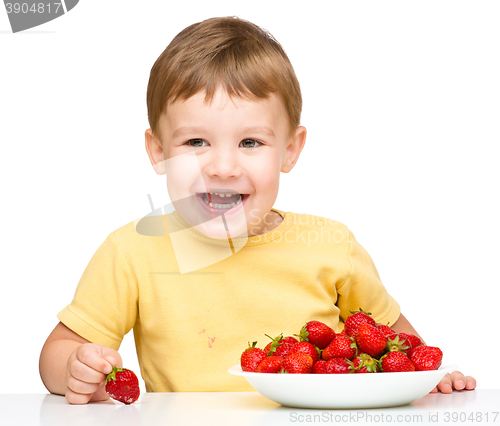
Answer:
(363, 346)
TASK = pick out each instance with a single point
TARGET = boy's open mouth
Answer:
(222, 199)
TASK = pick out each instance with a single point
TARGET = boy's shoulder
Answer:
(314, 221)
(135, 230)
(320, 232)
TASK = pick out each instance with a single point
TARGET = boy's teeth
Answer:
(222, 194)
(220, 205)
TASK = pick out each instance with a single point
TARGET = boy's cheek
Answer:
(184, 177)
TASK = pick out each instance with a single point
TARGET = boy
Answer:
(196, 284)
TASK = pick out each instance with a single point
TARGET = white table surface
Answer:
(242, 408)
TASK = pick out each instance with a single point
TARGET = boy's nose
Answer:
(223, 164)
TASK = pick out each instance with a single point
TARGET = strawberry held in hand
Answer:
(123, 385)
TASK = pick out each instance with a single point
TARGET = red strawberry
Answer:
(397, 343)
(341, 347)
(317, 333)
(298, 363)
(395, 361)
(370, 340)
(251, 357)
(364, 363)
(337, 366)
(306, 348)
(354, 320)
(413, 340)
(388, 331)
(123, 385)
(426, 358)
(270, 364)
(280, 345)
(319, 367)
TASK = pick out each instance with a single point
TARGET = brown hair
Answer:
(229, 52)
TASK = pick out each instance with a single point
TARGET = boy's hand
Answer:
(455, 381)
(86, 372)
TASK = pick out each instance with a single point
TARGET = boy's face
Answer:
(234, 147)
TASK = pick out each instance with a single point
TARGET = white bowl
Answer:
(344, 391)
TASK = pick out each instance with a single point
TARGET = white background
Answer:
(401, 102)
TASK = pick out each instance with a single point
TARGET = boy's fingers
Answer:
(470, 383)
(458, 380)
(112, 360)
(112, 356)
(77, 398)
(94, 360)
(100, 394)
(461, 382)
(445, 384)
(455, 380)
(80, 387)
(83, 372)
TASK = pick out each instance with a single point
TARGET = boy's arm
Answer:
(402, 325)
(72, 366)
(455, 380)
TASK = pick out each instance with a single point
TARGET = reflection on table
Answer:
(234, 408)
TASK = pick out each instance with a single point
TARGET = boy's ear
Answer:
(155, 152)
(294, 148)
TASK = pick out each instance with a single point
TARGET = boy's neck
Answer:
(271, 221)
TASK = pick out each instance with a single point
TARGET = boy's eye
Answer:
(250, 143)
(196, 142)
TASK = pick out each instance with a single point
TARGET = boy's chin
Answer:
(218, 231)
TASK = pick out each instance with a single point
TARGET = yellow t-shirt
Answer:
(189, 328)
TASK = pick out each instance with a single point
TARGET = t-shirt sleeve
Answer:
(104, 307)
(364, 289)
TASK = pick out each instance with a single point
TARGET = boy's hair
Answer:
(245, 60)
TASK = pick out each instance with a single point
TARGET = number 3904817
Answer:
(32, 8)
